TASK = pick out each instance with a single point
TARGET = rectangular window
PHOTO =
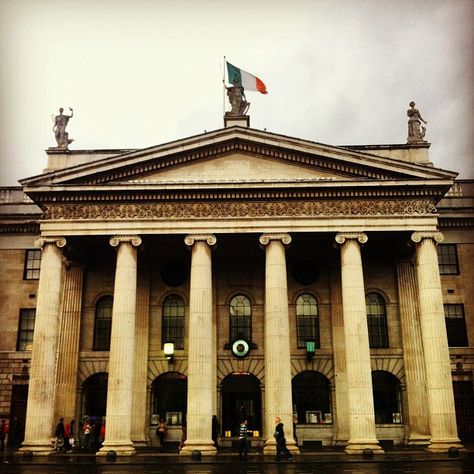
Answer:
(307, 329)
(455, 325)
(32, 264)
(26, 328)
(448, 259)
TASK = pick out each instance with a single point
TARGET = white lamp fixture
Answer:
(168, 349)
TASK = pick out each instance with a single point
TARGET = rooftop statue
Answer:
(237, 100)
(59, 129)
(416, 132)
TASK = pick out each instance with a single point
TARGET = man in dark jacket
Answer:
(280, 440)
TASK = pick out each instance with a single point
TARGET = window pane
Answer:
(307, 322)
(103, 324)
(26, 328)
(32, 264)
(455, 325)
(376, 321)
(448, 259)
(240, 313)
(311, 396)
(173, 321)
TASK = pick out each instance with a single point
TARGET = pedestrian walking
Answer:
(161, 432)
(59, 433)
(2, 434)
(280, 441)
(243, 440)
(215, 431)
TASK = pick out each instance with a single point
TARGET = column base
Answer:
(206, 448)
(41, 448)
(443, 445)
(121, 448)
(140, 443)
(358, 447)
(418, 441)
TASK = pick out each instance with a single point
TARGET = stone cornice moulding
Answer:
(417, 237)
(342, 237)
(232, 210)
(135, 240)
(191, 239)
(265, 239)
(43, 241)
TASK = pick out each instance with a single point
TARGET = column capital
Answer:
(359, 236)
(135, 240)
(191, 239)
(265, 239)
(417, 237)
(58, 241)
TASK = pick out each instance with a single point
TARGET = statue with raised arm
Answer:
(237, 100)
(59, 129)
(416, 132)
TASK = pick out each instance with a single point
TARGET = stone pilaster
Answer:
(68, 349)
(40, 409)
(359, 374)
(139, 416)
(417, 419)
(278, 400)
(201, 360)
(118, 433)
(341, 420)
(442, 415)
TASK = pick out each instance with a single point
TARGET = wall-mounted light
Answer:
(168, 349)
(310, 350)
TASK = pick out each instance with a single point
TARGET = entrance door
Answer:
(95, 396)
(464, 401)
(241, 398)
(18, 415)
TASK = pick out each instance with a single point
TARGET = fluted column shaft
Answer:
(359, 375)
(442, 415)
(278, 401)
(122, 349)
(68, 350)
(417, 420)
(201, 384)
(139, 417)
(40, 408)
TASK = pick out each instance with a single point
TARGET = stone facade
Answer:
(254, 215)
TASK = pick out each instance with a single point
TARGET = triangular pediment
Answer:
(238, 154)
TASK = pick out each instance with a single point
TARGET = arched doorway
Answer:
(169, 398)
(241, 397)
(94, 400)
(387, 397)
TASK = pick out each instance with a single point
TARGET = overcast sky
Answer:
(141, 72)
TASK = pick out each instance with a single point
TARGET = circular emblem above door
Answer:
(240, 348)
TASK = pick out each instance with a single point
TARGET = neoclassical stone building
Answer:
(327, 285)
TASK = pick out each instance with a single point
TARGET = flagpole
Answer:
(223, 89)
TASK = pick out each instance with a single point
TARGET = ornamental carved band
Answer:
(229, 210)
(343, 236)
(58, 241)
(191, 239)
(417, 237)
(135, 240)
(265, 239)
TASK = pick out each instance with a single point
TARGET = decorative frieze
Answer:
(226, 210)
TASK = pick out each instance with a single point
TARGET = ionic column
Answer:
(201, 360)
(417, 419)
(278, 401)
(442, 415)
(68, 349)
(118, 431)
(341, 419)
(359, 375)
(40, 408)
(139, 416)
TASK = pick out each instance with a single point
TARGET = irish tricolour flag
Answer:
(242, 78)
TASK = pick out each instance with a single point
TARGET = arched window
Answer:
(240, 312)
(387, 397)
(307, 323)
(103, 323)
(311, 397)
(173, 321)
(376, 320)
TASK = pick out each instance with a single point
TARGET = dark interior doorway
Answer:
(464, 401)
(95, 396)
(241, 397)
(18, 415)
